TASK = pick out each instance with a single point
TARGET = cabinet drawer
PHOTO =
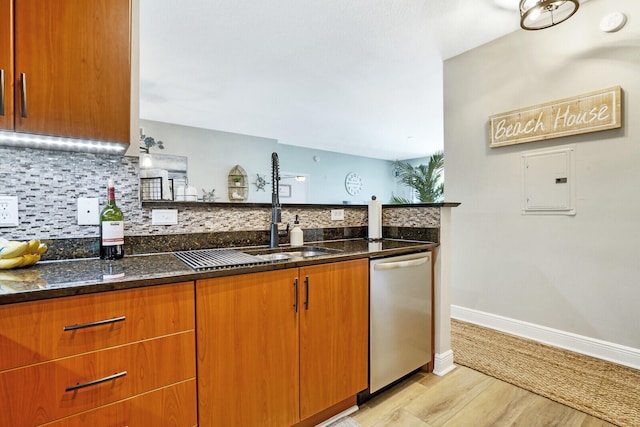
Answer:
(38, 331)
(167, 407)
(41, 393)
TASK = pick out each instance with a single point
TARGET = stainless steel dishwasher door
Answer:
(400, 317)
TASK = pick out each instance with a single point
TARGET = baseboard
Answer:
(336, 417)
(611, 352)
(443, 363)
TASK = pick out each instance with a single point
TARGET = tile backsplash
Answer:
(48, 184)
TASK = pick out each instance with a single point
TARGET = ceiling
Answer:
(359, 77)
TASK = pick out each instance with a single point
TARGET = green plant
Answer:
(426, 180)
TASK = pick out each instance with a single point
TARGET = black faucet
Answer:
(276, 209)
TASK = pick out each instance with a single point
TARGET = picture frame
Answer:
(284, 190)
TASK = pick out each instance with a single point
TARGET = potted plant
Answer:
(425, 180)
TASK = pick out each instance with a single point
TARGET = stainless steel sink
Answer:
(306, 253)
(301, 252)
(275, 257)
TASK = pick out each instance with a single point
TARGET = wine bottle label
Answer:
(112, 233)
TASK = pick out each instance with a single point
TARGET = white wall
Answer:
(212, 154)
(576, 274)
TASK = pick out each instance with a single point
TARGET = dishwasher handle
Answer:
(401, 264)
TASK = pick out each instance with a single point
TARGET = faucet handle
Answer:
(284, 233)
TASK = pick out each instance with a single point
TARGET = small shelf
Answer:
(238, 184)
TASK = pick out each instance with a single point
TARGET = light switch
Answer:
(88, 211)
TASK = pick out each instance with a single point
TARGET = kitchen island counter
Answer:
(53, 279)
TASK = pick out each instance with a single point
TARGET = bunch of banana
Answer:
(15, 254)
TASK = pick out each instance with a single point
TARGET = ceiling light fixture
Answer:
(540, 14)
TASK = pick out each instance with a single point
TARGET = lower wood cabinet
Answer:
(247, 331)
(334, 334)
(37, 331)
(109, 359)
(275, 348)
(47, 391)
(172, 406)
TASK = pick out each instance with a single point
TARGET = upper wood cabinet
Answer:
(71, 67)
(6, 64)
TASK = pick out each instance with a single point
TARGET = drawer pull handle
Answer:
(1, 92)
(95, 382)
(306, 293)
(295, 295)
(23, 97)
(92, 324)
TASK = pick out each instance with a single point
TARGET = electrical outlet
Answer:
(164, 216)
(9, 211)
(88, 211)
(337, 214)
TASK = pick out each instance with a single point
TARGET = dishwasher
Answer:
(400, 317)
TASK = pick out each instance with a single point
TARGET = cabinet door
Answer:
(247, 330)
(6, 64)
(333, 334)
(74, 58)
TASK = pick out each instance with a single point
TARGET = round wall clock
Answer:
(353, 183)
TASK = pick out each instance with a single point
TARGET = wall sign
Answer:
(591, 112)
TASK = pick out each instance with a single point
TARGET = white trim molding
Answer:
(443, 363)
(336, 417)
(443, 359)
(616, 353)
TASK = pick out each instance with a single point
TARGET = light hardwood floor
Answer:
(465, 397)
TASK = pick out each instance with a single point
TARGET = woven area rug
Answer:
(599, 388)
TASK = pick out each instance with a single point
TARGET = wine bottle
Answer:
(111, 227)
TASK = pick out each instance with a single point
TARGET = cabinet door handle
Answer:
(92, 324)
(96, 382)
(23, 83)
(295, 295)
(1, 92)
(306, 293)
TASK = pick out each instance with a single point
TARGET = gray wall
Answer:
(576, 274)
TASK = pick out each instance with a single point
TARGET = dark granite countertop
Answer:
(53, 279)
